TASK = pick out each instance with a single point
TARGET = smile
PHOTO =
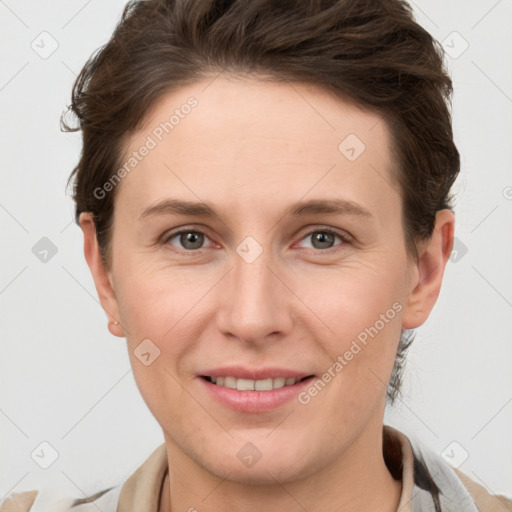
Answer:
(254, 385)
(266, 391)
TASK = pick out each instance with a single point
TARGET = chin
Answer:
(246, 464)
(269, 472)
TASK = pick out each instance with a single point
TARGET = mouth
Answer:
(241, 384)
(254, 390)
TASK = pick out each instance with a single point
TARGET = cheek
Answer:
(156, 302)
(169, 307)
(350, 299)
(160, 309)
(360, 312)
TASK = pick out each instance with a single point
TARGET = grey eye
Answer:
(190, 240)
(322, 239)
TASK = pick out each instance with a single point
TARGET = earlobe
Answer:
(429, 270)
(115, 328)
(100, 274)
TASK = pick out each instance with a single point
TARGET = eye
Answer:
(193, 240)
(324, 239)
(190, 240)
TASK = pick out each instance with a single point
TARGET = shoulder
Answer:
(52, 500)
(433, 484)
(451, 488)
(141, 491)
(18, 502)
(484, 500)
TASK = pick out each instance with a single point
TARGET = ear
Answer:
(427, 273)
(101, 274)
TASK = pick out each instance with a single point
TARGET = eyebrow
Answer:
(300, 209)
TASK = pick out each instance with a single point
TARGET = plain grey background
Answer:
(67, 382)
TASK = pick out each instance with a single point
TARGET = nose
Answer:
(255, 305)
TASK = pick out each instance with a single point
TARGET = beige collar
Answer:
(142, 490)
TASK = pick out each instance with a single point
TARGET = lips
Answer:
(254, 390)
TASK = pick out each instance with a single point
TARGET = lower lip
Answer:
(255, 401)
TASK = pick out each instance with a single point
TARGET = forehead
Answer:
(236, 141)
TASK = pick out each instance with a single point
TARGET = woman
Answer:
(264, 193)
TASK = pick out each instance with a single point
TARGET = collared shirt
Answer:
(429, 484)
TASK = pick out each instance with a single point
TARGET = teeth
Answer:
(245, 384)
(230, 382)
(279, 382)
(254, 385)
(264, 385)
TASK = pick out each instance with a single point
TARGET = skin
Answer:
(251, 149)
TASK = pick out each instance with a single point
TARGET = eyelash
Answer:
(345, 239)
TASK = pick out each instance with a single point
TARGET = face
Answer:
(292, 270)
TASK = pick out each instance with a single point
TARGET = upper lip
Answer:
(254, 373)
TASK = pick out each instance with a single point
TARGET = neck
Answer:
(358, 482)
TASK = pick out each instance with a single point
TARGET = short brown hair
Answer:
(369, 51)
